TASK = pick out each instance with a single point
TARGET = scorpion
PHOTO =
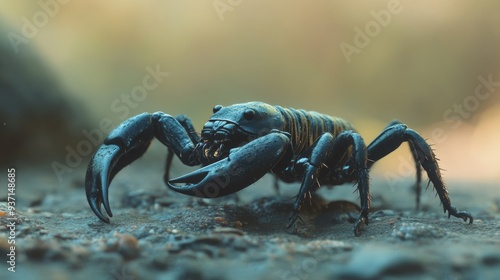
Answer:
(241, 143)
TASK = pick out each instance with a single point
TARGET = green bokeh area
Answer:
(427, 57)
(407, 60)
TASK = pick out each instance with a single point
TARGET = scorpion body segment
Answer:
(305, 127)
(241, 143)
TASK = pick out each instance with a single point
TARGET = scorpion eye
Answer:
(249, 114)
(217, 108)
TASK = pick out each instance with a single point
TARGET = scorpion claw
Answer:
(99, 174)
(126, 143)
(244, 166)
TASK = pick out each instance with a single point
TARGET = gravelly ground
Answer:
(158, 234)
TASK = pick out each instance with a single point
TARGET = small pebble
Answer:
(237, 224)
(128, 246)
(221, 220)
(165, 201)
(413, 231)
(125, 244)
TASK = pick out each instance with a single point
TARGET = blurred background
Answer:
(71, 70)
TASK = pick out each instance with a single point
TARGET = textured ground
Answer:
(157, 234)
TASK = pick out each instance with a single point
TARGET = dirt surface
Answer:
(158, 234)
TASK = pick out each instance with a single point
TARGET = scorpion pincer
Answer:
(241, 143)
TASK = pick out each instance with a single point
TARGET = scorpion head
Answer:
(233, 126)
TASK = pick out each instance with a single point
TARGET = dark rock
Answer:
(227, 230)
(375, 262)
(40, 250)
(37, 119)
(491, 259)
(161, 261)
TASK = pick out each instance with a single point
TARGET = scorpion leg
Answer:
(126, 143)
(244, 166)
(418, 167)
(392, 138)
(192, 134)
(328, 153)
